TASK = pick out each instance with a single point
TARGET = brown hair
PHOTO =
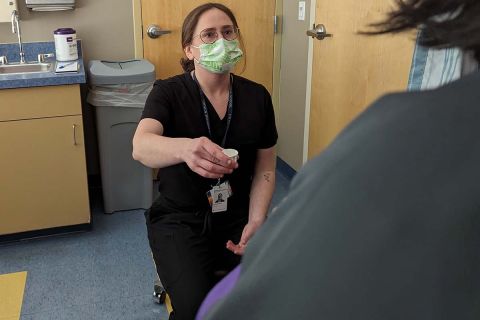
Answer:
(190, 23)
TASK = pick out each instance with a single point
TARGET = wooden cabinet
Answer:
(42, 160)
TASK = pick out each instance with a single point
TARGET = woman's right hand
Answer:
(207, 159)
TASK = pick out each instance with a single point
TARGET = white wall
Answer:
(105, 27)
(293, 84)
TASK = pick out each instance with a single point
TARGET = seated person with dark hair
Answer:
(385, 223)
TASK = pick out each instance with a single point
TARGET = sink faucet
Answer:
(16, 29)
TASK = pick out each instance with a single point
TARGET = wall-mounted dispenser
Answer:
(6, 9)
(50, 5)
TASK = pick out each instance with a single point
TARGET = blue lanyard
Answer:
(205, 111)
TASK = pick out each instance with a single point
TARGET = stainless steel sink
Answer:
(26, 68)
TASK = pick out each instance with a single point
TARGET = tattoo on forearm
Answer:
(266, 176)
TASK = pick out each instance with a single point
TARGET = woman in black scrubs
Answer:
(187, 122)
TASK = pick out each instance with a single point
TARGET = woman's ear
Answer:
(188, 52)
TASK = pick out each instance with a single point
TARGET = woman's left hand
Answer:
(248, 231)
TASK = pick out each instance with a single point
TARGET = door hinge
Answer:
(276, 22)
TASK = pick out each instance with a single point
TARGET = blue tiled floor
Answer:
(103, 274)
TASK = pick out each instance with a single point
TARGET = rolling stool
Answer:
(159, 293)
(160, 296)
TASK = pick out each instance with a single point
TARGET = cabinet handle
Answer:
(74, 134)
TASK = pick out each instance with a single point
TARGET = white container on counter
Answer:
(65, 44)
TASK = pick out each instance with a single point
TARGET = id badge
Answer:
(220, 196)
(226, 185)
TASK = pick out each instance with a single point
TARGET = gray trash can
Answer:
(118, 91)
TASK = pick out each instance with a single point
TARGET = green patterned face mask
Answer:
(220, 56)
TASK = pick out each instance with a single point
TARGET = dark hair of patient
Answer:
(190, 23)
(444, 23)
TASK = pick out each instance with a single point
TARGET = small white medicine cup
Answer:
(231, 153)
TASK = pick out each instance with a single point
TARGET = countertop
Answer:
(32, 49)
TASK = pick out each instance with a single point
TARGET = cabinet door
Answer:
(49, 101)
(43, 174)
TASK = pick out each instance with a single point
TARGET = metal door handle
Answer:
(74, 135)
(319, 31)
(154, 31)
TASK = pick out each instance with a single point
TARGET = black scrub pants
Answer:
(189, 251)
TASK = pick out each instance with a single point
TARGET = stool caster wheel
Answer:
(159, 295)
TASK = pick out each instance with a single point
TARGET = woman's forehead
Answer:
(213, 18)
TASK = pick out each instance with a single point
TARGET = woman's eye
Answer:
(210, 34)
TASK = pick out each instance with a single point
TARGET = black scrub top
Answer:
(176, 104)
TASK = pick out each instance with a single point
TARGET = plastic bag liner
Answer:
(131, 95)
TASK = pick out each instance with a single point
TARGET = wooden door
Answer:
(255, 19)
(349, 70)
(44, 182)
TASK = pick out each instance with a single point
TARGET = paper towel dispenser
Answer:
(50, 5)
